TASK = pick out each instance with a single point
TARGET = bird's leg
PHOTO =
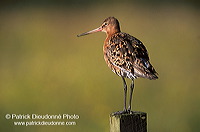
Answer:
(125, 93)
(131, 93)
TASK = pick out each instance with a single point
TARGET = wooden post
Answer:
(134, 122)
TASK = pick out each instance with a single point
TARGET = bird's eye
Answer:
(105, 24)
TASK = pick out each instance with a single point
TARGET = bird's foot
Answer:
(125, 111)
(129, 109)
(121, 112)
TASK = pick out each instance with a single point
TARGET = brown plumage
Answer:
(125, 55)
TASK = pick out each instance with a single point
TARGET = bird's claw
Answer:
(122, 112)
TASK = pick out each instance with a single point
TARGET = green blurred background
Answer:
(46, 69)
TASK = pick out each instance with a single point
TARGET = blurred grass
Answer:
(46, 69)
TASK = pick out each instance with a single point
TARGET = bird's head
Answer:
(109, 26)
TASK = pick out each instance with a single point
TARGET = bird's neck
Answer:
(112, 31)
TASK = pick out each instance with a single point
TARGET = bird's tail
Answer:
(144, 69)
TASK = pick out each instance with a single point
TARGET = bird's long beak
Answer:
(92, 31)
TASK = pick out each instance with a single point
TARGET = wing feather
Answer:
(130, 56)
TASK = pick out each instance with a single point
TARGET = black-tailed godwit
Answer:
(125, 55)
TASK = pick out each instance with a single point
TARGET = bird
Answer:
(126, 56)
